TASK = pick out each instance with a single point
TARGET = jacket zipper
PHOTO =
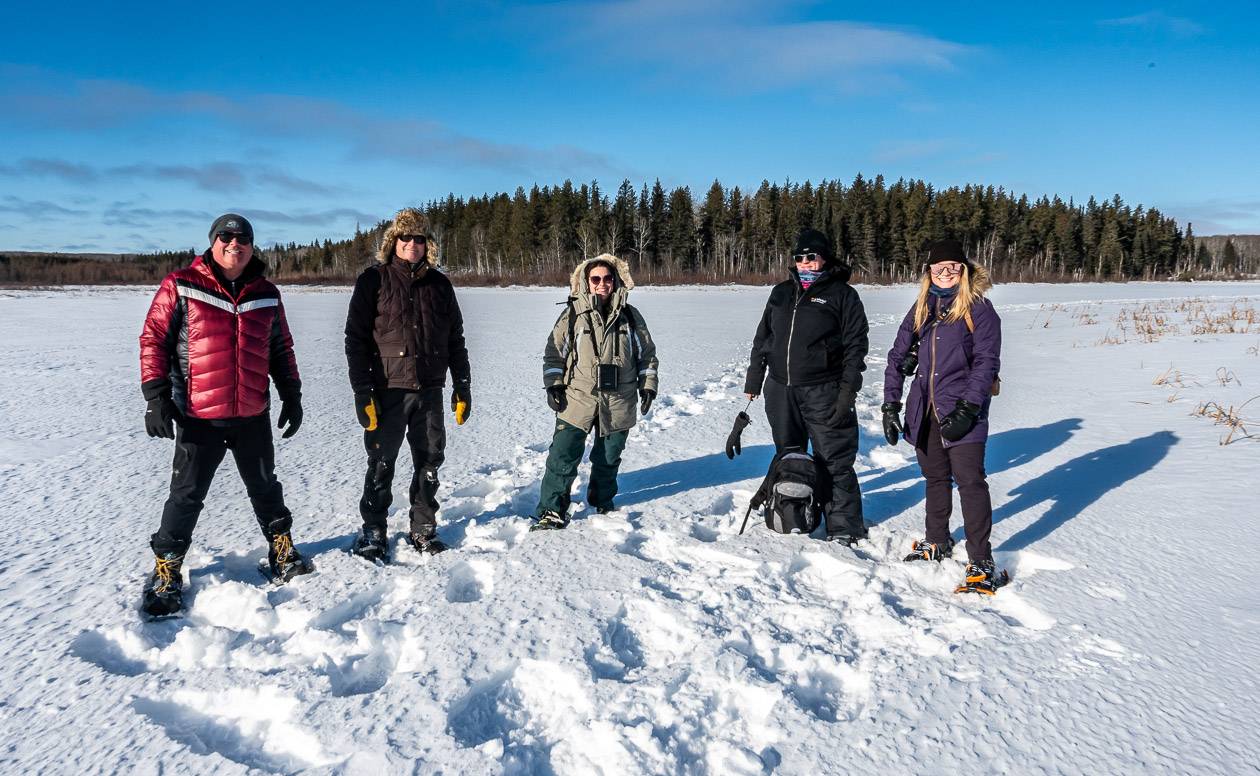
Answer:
(791, 331)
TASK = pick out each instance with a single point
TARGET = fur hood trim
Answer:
(409, 220)
(980, 280)
(577, 281)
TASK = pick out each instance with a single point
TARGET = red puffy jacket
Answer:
(213, 352)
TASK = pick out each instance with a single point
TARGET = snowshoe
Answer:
(549, 521)
(605, 509)
(372, 545)
(925, 550)
(164, 592)
(983, 578)
(284, 562)
(426, 544)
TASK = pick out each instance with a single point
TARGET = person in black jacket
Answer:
(813, 341)
(404, 331)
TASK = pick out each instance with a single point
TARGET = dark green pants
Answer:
(562, 464)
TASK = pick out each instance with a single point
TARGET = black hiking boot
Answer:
(549, 521)
(426, 544)
(847, 539)
(983, 577)
(606, 509)
(371, 544)
(164, 592)
(925, 550)
(284, 562)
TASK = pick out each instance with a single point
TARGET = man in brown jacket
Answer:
(404, 331)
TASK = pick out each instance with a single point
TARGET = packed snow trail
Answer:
(653, 639)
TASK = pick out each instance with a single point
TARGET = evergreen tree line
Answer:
(729, 235)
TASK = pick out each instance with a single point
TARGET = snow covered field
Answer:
(652, 640)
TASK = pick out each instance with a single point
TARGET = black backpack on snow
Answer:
(793, 493)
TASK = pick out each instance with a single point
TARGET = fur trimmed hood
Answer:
(980, 280)
(577, 281)
(409, 220)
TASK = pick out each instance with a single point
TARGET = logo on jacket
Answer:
(818, 300)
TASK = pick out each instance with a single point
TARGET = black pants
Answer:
(199, 449)
(942, 467)
(801, 414)
(417, 415)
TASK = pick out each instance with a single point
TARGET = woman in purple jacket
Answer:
(951, 341)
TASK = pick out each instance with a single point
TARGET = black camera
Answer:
(910, 364)
(609, 377)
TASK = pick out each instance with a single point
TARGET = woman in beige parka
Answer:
(599, 369)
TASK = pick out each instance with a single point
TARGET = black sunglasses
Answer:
(227, 237)
(412, 237)
(801, 258)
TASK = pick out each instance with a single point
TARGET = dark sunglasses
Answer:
(601, 279)
(412, 237)
(227, 237)
(801, 258)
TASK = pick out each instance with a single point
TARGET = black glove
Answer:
(646, 395)
(290, 415)
(160, 416)
(555, 398)
(958, 423)
(732, 441)
(367, 408)
(892, 421)
(910, 362)
(844, 406)
(461, 393)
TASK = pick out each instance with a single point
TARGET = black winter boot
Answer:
(164, 592)
(284, 561)
(372, 544)
(426, 544)
(548, 521)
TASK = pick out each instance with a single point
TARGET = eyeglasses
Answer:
(951, 268)
(227, 237)
(599, 280)
(802, 258)
(412, 238)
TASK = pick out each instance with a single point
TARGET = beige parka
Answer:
(599, 339)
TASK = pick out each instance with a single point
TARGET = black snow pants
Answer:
(416, 415)
(942, 467)
(800, 414)
(200, 447)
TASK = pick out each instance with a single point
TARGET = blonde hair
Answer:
(968, 294)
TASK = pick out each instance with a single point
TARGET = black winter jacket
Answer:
(813, 336)
(404, 330)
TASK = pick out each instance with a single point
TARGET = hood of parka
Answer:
(409, 220)
(981, 282)
(581, 293)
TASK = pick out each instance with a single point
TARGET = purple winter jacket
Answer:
(954, 363)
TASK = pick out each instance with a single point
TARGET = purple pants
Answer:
(942, 467)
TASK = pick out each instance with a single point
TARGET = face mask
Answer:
(807, 277)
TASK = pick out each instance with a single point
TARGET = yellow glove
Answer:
(461, 402)
(365, 407)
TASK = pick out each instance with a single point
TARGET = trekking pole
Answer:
(745, 523)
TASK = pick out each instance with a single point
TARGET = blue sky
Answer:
(129, 129)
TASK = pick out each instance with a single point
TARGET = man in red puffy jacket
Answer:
(215, 334)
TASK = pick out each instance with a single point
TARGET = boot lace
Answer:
(166, 570)
(282, 546)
